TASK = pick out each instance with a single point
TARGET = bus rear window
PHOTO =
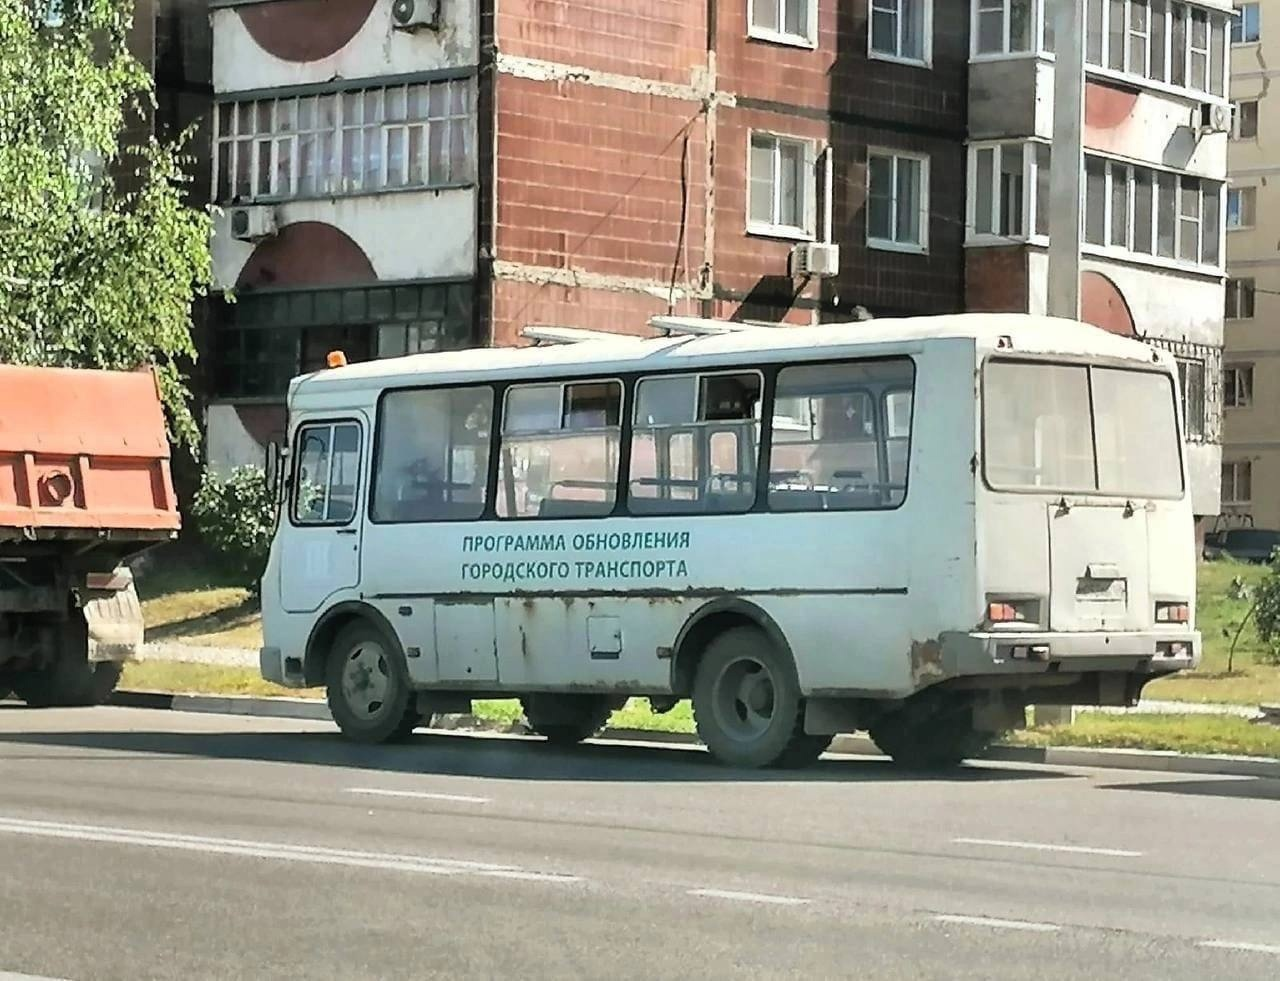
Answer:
(1076, 429)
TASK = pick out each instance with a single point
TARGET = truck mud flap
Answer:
(115, 624)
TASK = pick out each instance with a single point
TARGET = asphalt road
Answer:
(139, 844)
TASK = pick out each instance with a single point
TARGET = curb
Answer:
(312, 710)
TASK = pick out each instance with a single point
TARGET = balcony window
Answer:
(350, 142)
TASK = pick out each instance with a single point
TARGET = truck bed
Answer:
(83, 453)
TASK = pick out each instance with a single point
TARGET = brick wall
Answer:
(661, 39)
(996, 279)
(608, 179)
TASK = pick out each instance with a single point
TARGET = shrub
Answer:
(236, 515)
(1267, 604)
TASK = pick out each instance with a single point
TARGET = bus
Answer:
(914, 528)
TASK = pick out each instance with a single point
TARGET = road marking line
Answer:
(1233, 945)
(749, 897)
(278, 851)
(1042, 847)
(417, 795)
(986, 921)
(10, 976)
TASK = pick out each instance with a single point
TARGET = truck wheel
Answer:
(565, 720)
(71, 680)
(747, 704)
(931, 736)
(368, 687)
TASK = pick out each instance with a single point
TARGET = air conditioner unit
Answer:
(1212, 117)
(253, 223)
(412, 15)
(815, 259)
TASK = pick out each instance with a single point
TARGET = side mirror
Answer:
(275, 467)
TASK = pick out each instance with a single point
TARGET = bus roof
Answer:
(1028, 334)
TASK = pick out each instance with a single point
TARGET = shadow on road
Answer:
(1244, 788)
(508, 758)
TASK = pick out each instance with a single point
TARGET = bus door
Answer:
(321, 548)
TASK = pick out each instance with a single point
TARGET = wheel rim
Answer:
(744, 699)
(366, 681)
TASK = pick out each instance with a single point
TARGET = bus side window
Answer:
(433, 455)
(695, 444)
(833, 449)
(328, 477)
(560, 450)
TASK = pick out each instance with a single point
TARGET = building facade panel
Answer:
(272, 45)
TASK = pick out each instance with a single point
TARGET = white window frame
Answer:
(1252, 210)
(1111, 165)
(1040, 17)
(808, 187)
(776, 35)
(1239, 16)
(892, 245)
(1030, 200)
(926, 29)
(1237, 386)
(1217, 18)
(331, 180)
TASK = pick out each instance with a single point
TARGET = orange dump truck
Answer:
(84, 486)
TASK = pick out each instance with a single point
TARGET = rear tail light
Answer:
(1004, 610)
(1002, 613)
(1173, 613)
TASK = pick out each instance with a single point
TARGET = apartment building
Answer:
(1251, 373)
(414, 175)
(426, 174)
(1155, 120)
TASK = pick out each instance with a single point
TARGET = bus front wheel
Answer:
(368, 688)
(747, 704)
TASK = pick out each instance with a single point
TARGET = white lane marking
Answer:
(1234, 945)
(1043, 847)
(10, 976)
(278, 851)
(986, 921)
(417, 795)
(749, 897)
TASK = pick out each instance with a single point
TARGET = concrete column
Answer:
(1066, 169)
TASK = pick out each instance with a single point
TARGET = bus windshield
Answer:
(1082, 430)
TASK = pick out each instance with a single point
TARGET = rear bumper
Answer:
(1153, 652)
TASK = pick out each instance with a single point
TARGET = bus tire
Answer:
(930, 737)
(367, 687)
(747, 704)
(566, 720)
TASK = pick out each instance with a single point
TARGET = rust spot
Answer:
(926, 660)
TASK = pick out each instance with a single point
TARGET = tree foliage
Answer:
(100, 258)
(236, 515)
(1267, 605)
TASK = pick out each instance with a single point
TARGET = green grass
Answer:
(1179, 733)
(185, 600)
(1218, 615)
(204, 679)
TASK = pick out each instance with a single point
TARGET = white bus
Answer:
(915, 528)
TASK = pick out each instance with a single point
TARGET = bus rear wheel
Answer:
(566, 720)
(747, 704)
(367, 687)
(931, 734)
